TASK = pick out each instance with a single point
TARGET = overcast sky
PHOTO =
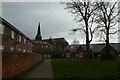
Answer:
(55, 20)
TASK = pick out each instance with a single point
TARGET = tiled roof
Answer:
(56, 39)
(72, 48)
(99, 47)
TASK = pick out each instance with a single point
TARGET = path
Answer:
(44, 70)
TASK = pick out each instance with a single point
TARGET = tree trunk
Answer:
(87, 49)
(107, 53)
(107, 37)
(87, 42)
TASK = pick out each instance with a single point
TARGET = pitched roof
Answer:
(42, 43)
(55, 39)
(99, 47)
(59, 40)
(15, 29)
(72, 48)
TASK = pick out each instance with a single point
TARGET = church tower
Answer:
(38, 36)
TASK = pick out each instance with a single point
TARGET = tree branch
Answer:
(115, 32)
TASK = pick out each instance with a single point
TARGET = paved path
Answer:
(44, 70)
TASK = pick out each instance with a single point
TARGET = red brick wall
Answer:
(13, 64)
(8, 42)
(81, 52)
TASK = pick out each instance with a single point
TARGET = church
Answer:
(51, 45)
(13, 40)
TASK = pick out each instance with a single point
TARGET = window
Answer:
(25, 40)
(13, 35)
(28, 42)
(24, 50)
(1, 47)
(41, 42)
(1, 29)
(19, 38)
(19, 49)
(11, 48)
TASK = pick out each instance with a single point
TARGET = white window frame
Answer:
(19, 49)
(1, 47)
(24, 40)
(24, 50)
(20, 37)
(2, 28)
(11, 48)
(13, 34)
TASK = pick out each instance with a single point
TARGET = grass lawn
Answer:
(83, 70)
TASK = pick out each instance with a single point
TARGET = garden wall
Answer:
(13, 64)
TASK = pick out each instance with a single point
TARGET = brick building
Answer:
(56, 45)
(13, 40)
(75, 51)
(39, 45)
(59, 44)
(42, 47)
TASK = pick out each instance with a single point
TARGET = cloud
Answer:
(32, 0)
(26, 16)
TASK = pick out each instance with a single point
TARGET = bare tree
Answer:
(108, 13)
(84, 13)
(107, 18)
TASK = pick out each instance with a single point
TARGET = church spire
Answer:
(38, 32)
(38, 36)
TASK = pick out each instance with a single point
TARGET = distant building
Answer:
(112, 54)
(74, 51)
(13, 40)
(55, 44)
(97, 48)
(59, 44)
(41, 46)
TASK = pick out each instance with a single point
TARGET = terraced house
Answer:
(13, 40)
